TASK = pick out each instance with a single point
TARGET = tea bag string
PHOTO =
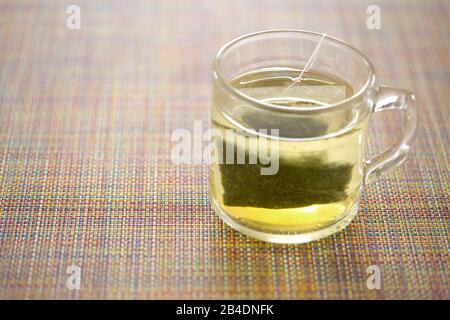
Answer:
(309, 63)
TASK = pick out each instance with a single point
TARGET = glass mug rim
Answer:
(269, 106)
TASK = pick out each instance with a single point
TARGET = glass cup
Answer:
(313, 182)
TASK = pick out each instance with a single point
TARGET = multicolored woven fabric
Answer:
(85, 172)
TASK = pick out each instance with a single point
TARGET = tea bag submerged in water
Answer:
(307, 181)
(303, 178)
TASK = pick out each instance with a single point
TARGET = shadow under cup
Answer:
(288, 173)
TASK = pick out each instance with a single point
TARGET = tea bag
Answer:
(304, 178)
(308, 181)
(300, 181)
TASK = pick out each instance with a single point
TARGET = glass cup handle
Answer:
(388, 99)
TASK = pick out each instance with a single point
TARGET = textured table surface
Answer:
(85, 172)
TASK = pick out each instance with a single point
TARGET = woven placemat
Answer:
(86, 178)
